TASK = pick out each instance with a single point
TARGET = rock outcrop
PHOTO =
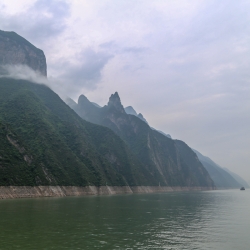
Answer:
(15, 50)
(114, 101)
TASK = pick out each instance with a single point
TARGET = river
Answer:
(217, 220)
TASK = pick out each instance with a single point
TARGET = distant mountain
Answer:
(130, 110)
(239, 179)
(15, 50)
(97, 105)
(168, 135)
(221, 178)
(142, 118)
(70, 102)
(169, 162)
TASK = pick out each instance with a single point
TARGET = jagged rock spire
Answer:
(114, 101)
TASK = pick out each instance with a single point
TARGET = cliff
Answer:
(15, 50)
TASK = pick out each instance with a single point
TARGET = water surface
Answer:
(181, 220)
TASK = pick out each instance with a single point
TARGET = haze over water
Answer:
(191, 220)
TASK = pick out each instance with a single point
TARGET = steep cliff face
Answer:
(15, 50)
(168, 162)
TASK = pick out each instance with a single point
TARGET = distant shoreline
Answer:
(13, 192)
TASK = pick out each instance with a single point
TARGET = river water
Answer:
(217, 220)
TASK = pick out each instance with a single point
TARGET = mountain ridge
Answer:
(167, 159)
(221, 178)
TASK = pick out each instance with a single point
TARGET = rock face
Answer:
(114, 101)
(15, 50)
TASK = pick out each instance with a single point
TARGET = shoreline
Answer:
(13, 192)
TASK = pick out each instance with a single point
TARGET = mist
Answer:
(20, 71)
(23, 72)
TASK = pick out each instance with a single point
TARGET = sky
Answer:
(183, 64)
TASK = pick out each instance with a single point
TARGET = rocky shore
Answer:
(12, 192)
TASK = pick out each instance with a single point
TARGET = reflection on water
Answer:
(191, 220)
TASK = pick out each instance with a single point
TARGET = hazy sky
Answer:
(185, 65)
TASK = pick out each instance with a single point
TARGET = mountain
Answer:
(97, 105)
(239, 179)
(169, 162)
(130, 111)
(221, 178)
(44, 142)
(168, 135)
(142, 118)
(15, 50)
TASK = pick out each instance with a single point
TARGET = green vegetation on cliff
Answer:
(44, 142)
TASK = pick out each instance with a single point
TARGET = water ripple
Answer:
(197, 220)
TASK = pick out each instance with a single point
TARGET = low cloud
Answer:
(20, 71)
(23, 72)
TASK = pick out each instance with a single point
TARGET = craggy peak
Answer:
(115, 101)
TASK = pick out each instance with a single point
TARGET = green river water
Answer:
(217, 220)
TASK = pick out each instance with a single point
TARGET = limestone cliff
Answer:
(15, 50)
